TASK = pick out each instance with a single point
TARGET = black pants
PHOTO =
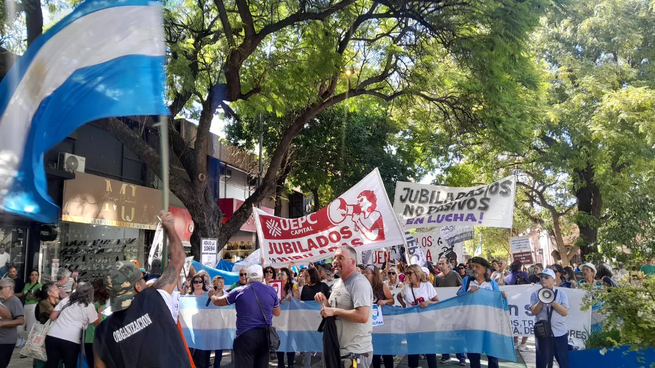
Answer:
(474, 360)
(557, 347)
(387, 359)
(412, 360)
(290, 358)
(5, 354)
(61, 350)
(251, 349)
(88, 351)
(201, 357)
(218, 356)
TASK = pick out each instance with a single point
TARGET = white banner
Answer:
(430, 243)
(156, 246)
(422, 206)
(362, 217)
(518, 296)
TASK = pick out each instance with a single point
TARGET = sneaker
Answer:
(20, 342)
(524, 347)
(462, 362)
(444, 359)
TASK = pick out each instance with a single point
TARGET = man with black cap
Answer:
(141, 332)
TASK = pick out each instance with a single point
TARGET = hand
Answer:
(167, 220)
(328, 312)
(504, 295)
(381, 303)
(553, 304)
(211, 293)
(424, 304)
(320, 297)
(474, 289)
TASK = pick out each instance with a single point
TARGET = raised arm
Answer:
(169, 277)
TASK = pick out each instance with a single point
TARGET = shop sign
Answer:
(91, 199)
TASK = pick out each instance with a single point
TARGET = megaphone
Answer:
(339, 210)
(546, 296)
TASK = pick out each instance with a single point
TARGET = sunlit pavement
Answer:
(525, 359)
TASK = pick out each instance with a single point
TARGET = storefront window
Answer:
(238, 250)
(12, 241)
(89, 250)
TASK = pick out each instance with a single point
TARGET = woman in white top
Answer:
(393, 283)
(418, 291)
(71, 316)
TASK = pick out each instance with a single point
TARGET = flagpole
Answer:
(163, 145)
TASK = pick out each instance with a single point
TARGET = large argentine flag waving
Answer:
(105, 59)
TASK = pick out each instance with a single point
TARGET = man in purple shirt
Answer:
(251, 342)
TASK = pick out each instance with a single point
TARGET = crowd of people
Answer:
(145, 307)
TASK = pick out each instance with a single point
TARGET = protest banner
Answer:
(278, 286)
(474, 322)
(430, 243)
(362, 218)
(518, 297)
(422, 206)
(521, 249)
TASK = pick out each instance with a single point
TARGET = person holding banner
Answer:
(555, 343)
(471, 284)
(418, 292)
(351, 302)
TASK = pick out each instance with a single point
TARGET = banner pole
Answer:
(163, 145)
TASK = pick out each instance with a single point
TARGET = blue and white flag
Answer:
(105, 59)
(471, 323)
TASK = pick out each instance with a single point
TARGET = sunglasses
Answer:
(269, 271)
(391, 273)
(281, 274)
(243, 274)
(197, 282)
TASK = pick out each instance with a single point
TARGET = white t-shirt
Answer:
(70, 322)
(4, 259)
(420, 294)
(172, 302)
(484, 285)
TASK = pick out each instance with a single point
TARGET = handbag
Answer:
(271, 332)
(35, 345)
(542, 329)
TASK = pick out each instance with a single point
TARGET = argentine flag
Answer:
(105, 59)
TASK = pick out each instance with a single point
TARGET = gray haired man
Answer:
(11, 312)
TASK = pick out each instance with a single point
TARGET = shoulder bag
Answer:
(271, 332)
(543, 329)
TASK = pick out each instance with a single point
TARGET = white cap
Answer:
(591, 266)
(255, 272)
(547, 272)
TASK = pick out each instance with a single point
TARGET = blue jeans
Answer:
(474, 359)
(557, 347)
(459, 356)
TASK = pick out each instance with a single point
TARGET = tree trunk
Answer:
(590, 202)
(33, 20)
(317, 202)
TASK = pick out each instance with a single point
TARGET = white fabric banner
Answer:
(362, 217)
(422, 206)
(518, 296)
(430, 243)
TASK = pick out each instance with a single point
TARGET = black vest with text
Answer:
(142, 336)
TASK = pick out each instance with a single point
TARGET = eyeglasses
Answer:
(280, 274)
(391, 273)
(243, 274)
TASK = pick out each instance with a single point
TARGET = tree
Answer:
(335, 151)
(597, 128)
(458, 64)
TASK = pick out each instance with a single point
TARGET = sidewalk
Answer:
(523, 360)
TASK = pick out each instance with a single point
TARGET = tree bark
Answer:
(33, 20)
(590, 202)
(317, 202)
